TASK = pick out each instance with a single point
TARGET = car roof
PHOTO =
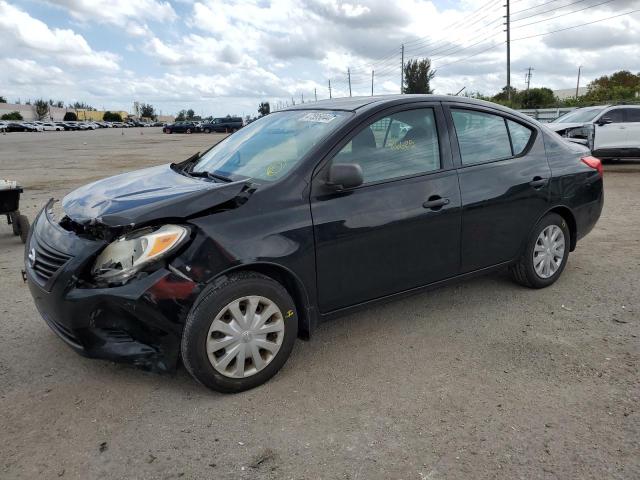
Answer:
(359, 104)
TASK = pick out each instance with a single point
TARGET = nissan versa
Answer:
(226, 258)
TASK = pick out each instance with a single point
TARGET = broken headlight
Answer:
(132, 252)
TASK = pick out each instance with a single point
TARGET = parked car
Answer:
(20, 127)
(34, 127)
(48, 126)
(3, 125)
(610, 131)
(68, 125)
(307, 213)
(228, 124)
(181, 127)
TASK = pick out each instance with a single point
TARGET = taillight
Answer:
(594, 163)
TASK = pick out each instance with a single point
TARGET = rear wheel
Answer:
(23, 222)
(546, 253)
(15, 225)
(206, 130)
(239, 333)
(188, 130)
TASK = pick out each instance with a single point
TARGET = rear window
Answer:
(520, 136)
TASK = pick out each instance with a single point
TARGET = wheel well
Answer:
(565, 213)
(293, 286)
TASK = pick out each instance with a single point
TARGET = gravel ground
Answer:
(484, 379)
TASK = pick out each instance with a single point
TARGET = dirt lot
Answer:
(481, 380)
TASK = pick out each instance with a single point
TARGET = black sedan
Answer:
(182, 127)
(20, 127)
(226, 258)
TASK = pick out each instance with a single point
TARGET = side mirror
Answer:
(345, 175)
(604, 121)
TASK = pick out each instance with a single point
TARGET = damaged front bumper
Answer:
(140, 322)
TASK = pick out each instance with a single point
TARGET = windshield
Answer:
(271, 146)
(580, 115)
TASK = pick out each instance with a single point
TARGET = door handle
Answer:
(435, 202)
(538, 182)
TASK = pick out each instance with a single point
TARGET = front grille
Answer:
(47, 261)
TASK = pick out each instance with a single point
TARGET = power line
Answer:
(550, 10)
(471, 56)
(458, 22)
(458, 48)
(536, 6)
(576, 26)
(564, 14)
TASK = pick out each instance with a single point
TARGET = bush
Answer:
(70, 117)
(111, 117)
(11, 116)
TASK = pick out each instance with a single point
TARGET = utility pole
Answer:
(315, 93)
(402, 70)
(330, 89)
(528, 77)
(578, 84)
(508, 24)
(372, 72)
(349, 76)
(302, 98)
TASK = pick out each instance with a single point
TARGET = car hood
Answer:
(557, 127)
(146, 195)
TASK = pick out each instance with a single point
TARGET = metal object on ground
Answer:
(10, 206)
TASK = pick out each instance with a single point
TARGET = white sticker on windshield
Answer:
(318, 117)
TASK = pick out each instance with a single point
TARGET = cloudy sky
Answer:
(225, 56)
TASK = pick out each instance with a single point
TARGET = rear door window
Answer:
(482, 137)
(632, 115)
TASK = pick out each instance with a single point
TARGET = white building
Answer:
(28, 112)
(565, 93)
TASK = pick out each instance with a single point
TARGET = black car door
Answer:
(504, 181)
(401, 228)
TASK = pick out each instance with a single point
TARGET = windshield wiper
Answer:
(210, 175)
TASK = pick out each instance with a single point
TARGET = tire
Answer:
(23, 222)
(206, 130)
(15, 225)
(188, 131)
(524, 270)
(212, 303)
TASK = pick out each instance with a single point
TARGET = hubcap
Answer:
(548, 251)
(245, 336)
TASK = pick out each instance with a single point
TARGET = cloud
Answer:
(28, 72)
(224, 53)
(21, 31)
(118, 12)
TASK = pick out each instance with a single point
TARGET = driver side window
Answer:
(405, 143)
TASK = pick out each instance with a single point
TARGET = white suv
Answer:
(610, 131)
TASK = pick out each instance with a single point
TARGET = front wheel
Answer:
(546, 253)
(239, 333)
